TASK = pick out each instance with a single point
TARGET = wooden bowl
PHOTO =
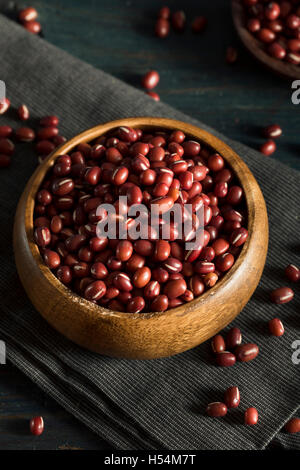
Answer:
(143, 335)
(256, 48)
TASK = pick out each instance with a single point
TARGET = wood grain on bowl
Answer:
(257, 48)
(143, 335)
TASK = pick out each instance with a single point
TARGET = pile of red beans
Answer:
(219, 409)
(150, 81)
(157, 169)
(230, 350)
(177, 20)
(226, 353)
(283, 295)
(270, 132)
(46, 136)
(28, 19)
(277, 26)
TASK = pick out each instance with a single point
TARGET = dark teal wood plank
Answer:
(20, 401)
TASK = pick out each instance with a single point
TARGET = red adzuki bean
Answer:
(152, 290)
(136, 304)
(272, 132)
(23, 112)
(51, 259)
(6, 147)
(210, 279)
(276, 327)
(99, 271)
(150, 79)
(5, 131)
(162, 250)
(44, 147)
(282, 295)
(216, 409)
(233, 338)
(238, 236)
(56, 224)
(272, 11)
(64, 274)
(164, 12)
(293, 425)
(268, 147)
(49, 121)
(33, 26)
(178, 20)
(162, 27)
(4, 105)
(246, 352)
(225, 359)
(172, 265)
(28, 14)
(175, 288)
(95, 290)
(220, 246)
(141, 277)
(36, 425)
(232, 397)
(155, 96)
(253, 25)
(224, 262)
(251, 416)
(277, 51)
(42, 236)
(218, 344)
(160, 303)
(124, 250)
(292, 272)
(293, 58)
(293, 21)
(164, 204)
(46, 133)
(265, 35)
(25, 134)
(294, 45)
(123, 282)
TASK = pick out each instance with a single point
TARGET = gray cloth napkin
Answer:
(158, 404)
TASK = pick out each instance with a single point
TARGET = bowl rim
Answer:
(236, 163)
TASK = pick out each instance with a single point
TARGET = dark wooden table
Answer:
(117, 36)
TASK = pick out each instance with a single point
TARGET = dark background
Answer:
(238, 100)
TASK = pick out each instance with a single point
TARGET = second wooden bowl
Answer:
(256, 48)
(143, 335)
